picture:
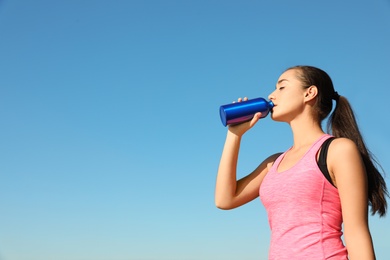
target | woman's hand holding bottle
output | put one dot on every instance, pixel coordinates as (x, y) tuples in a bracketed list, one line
[(240, 129)]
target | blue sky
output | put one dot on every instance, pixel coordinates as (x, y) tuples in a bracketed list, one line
[(110, 134)]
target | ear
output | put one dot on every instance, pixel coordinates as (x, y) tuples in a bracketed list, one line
[(311, 92)]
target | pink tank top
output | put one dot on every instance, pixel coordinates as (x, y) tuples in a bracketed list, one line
[(304, 211)]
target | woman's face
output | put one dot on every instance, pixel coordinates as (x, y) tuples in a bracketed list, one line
[(288, 97)]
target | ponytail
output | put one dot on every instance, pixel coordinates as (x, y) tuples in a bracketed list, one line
[(342, 123)]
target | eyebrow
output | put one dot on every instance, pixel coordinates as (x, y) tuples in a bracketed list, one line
[(280, 81)]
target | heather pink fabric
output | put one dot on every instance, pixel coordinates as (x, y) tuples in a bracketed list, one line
[(304, 211)]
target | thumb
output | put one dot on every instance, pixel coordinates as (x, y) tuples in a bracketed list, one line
[(255, 118)]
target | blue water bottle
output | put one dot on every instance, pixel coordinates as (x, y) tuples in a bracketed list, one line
[(236, 113)]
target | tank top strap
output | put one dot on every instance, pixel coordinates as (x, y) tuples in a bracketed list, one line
[(317, 144), (276, 163)]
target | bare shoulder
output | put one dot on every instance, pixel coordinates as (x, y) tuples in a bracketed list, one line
[(342, 148), (248, 186), (265, 165), (269, 161), (272, 158), (345, 162)]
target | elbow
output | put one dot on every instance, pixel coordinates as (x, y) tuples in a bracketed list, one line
[(220, 204)]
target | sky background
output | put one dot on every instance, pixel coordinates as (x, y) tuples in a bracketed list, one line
[(110, 136)]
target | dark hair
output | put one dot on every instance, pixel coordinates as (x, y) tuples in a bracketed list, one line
[(342, 123)]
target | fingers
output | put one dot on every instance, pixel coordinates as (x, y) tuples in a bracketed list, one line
[(242, 128), (241, 99)]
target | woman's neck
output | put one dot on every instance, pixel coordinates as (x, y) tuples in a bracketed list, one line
[(305, 132)]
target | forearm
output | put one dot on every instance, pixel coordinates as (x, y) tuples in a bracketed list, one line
[(226, 182)]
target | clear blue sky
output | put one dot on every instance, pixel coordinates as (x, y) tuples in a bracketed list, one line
[(110, 134)]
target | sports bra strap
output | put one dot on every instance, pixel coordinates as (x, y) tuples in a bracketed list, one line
[(322, 159)]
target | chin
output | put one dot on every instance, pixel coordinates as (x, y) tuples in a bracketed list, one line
[(277, 118)]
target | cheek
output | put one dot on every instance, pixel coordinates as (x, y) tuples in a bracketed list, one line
[(286, 111)]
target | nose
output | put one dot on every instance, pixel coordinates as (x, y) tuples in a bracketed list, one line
[(271, 96)]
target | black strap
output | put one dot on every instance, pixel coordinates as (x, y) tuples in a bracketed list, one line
[(322, 159)]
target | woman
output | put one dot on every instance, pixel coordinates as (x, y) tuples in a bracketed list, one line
[(318, 184)]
